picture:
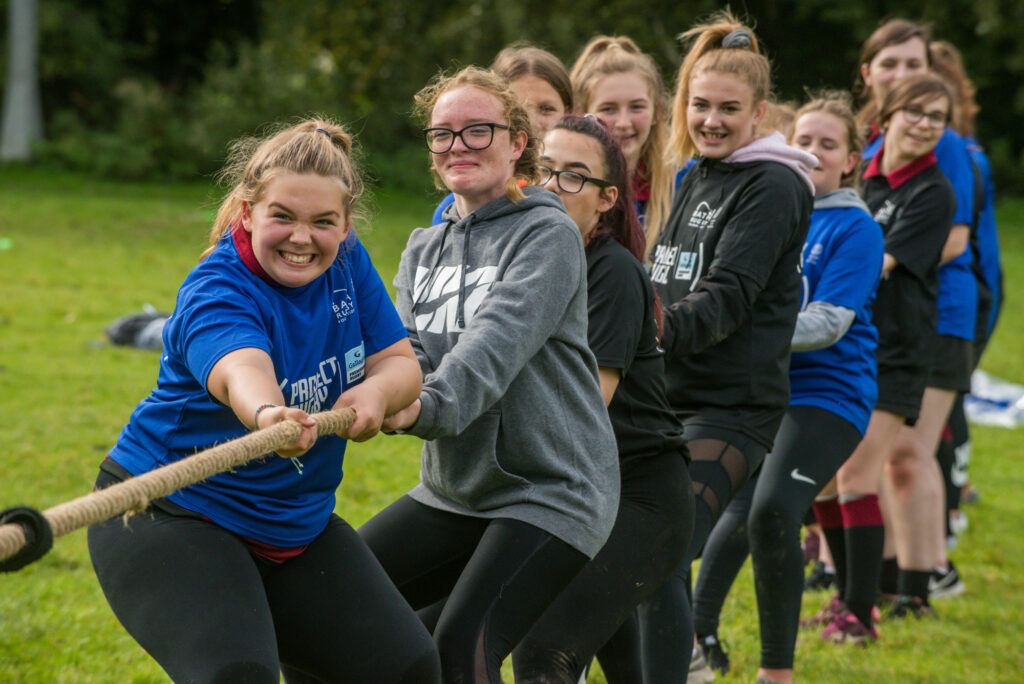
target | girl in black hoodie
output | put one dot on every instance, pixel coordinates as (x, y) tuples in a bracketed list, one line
[(727, 267)]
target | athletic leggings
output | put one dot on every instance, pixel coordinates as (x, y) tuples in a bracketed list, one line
[(722, 461), (765, 518), (499, 575), (208, 610), (650, 537)]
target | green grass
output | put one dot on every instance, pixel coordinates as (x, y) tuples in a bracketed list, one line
[(82, 252)]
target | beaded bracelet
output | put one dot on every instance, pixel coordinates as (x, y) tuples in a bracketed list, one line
[(256, 417)]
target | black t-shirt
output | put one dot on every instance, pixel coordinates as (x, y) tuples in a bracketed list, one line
[(623, 335), (916, 216), (727, 267)]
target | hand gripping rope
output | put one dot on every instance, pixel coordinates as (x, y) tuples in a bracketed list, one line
[(26, 534)]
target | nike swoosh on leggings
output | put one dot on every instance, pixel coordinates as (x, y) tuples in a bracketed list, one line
[(795, 474)]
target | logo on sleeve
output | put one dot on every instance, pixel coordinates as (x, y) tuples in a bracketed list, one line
[(704, 217), (355, 364)]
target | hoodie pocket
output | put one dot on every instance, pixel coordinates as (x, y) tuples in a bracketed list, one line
[(466, 470)]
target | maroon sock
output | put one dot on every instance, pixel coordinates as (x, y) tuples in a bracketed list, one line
[(865, 537)]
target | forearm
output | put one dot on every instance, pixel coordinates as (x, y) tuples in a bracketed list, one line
[(397, 379), (717, 308), (956, 243), (821, 325), (244, 380)]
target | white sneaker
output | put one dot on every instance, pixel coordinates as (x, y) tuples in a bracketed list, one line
[(700, 671)]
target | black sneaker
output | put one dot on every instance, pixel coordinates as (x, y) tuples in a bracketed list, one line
[(945, 584), (906, 606), (819, 578), (714, 652)]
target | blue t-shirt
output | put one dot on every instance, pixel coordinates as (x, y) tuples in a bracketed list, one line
[(318, 337), (842, 262), (987, 234), (958, 290)]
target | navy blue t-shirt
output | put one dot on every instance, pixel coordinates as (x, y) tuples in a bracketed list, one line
[(841, 263), (318, 337), (958, 289)]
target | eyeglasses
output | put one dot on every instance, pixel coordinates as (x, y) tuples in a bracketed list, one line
[(569, 181), (476, 137), (935, 119)]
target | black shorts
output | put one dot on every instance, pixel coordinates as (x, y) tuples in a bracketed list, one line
[(952, 361), (900, 391)]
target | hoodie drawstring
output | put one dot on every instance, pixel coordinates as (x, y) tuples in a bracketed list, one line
[(460, 311)]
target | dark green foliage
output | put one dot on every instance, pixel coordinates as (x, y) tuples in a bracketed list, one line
[(158, 88)]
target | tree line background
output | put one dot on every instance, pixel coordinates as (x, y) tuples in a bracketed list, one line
[(156, 89)]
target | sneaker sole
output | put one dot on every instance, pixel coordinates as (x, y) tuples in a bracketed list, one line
[(948, 592)]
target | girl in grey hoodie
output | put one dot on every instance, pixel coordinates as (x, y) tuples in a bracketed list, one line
[(519, 481)]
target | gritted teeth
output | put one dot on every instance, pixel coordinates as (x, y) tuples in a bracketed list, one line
[(297, 258)]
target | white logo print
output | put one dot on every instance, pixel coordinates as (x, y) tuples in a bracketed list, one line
[(664, 258), (444, 295), (309, 394), (801, 478), (704, 216), (885, 212), (815, 254), (341, 304)]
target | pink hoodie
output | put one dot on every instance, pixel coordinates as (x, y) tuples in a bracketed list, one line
[(773, 147)]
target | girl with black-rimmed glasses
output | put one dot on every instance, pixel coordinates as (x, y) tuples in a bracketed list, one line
[(585, 167), (519, 482)]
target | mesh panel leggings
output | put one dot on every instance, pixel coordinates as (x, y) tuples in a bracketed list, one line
[(810, 447), (207, 610), (498, 575), (650, 537), (722, 461)]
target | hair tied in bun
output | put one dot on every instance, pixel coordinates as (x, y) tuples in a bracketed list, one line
[(738, 39)]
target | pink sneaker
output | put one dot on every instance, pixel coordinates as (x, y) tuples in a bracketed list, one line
[(825, 616), (847, 628)]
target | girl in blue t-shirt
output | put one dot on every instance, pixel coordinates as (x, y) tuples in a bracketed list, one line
[(250, 573)]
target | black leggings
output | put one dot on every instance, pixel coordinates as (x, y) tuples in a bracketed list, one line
[(650, 537), (207, 610), (722, 461), (499, 575), (765, 518)]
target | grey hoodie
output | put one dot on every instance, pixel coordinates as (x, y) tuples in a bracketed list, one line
[(496, 306)]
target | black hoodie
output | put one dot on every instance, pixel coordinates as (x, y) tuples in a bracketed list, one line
[(727, 267)]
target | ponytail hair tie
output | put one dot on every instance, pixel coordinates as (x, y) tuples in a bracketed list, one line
[(325, 132), (739, 39)]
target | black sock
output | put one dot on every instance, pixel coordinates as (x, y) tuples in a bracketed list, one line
[(865, 537), (889, 582), (915, 583)]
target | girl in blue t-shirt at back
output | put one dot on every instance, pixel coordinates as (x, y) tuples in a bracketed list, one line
[(250, 573)]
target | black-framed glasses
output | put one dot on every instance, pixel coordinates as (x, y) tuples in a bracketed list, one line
[(478, 136), (569, 181), (935, 119)]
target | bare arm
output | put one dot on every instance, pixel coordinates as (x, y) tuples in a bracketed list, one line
[(245, 380), (956, 243), (609, 378)]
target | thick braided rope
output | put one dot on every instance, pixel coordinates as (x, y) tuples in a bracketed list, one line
[(134, 495)]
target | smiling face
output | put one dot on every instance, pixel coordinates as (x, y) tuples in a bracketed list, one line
[(542, 102), (570, 151), (297, 226), (623, 102), (475, 176), (906, 141), (721, 115), (825, 136), (892, 63)]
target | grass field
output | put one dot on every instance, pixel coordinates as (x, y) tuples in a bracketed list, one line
[(76, 253)]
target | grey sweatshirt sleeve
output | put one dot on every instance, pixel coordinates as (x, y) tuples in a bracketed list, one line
[(518, 316), (821, 325), (403, 283)]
